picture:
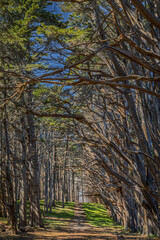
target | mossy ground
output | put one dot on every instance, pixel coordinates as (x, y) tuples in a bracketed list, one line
[(59, 224), (59, 215), (96, 215)]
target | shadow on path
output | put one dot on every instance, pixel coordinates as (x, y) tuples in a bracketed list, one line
[(77, 229)]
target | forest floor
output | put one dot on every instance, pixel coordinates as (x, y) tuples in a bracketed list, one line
[(80, 227)]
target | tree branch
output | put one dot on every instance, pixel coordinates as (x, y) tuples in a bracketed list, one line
[(146, 14), (57, 115)]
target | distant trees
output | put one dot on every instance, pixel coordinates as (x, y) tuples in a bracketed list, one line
[(37, 163)]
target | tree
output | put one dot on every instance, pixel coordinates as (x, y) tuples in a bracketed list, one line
[(122, 66), (108, 79), (19, 23)]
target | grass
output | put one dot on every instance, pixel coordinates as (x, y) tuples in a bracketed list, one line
[(3, 220), (59, 215), (97, 216), (57, 218), (153, 237)]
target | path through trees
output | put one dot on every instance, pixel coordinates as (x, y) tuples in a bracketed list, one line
[(77, 228), (80, 109)]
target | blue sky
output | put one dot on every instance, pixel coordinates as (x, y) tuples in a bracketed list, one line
[(55, 7)]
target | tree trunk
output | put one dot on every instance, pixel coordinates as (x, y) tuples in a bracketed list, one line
[(34, 192), (64, 177)]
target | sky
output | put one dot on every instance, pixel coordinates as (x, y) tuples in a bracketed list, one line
[(55, 7), (53, 63)]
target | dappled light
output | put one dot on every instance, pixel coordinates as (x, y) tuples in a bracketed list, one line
[(79, 119)]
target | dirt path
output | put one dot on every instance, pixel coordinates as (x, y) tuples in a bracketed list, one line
[(76, 229), (79, 221), (81, 230)]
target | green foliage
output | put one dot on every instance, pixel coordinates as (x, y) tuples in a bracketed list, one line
[(20, 20), (97, 216), (54, 100)]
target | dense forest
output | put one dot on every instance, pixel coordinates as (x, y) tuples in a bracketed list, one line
[(80, 109)]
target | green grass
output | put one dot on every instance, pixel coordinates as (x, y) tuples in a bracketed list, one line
[(153, 237), (59, 212), (60, 215), (3, 220), (97, 216)]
